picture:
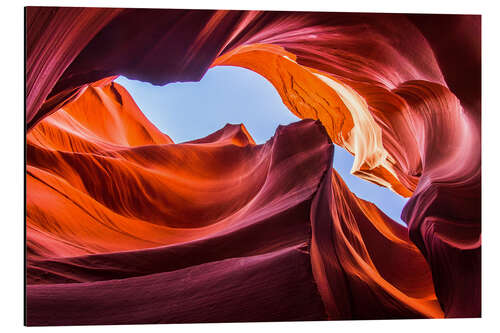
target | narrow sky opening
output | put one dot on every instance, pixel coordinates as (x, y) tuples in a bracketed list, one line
[(191, 110)]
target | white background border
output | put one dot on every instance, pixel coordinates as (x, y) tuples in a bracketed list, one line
[(12, 141)]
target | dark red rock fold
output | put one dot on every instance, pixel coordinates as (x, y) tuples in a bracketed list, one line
[(106, 189)]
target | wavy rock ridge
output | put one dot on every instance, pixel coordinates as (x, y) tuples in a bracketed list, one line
[(384, 87), (111, 217)]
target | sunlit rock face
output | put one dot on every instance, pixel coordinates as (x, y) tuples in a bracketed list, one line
[(118, 216), (112, 201)]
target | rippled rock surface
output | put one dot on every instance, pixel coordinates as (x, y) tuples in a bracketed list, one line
[(125, 226)]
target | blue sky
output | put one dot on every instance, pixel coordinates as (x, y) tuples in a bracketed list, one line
[(192, 110)]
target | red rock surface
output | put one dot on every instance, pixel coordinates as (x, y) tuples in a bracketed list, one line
[(115, 209), (115, 206)]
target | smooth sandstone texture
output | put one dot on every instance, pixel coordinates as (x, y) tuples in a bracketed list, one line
[(126, 227), (394, 90)]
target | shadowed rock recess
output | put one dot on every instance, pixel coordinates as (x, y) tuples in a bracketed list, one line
[(124, 226)]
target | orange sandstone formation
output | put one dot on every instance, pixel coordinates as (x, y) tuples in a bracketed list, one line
[(117, 205), (113, 204)]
